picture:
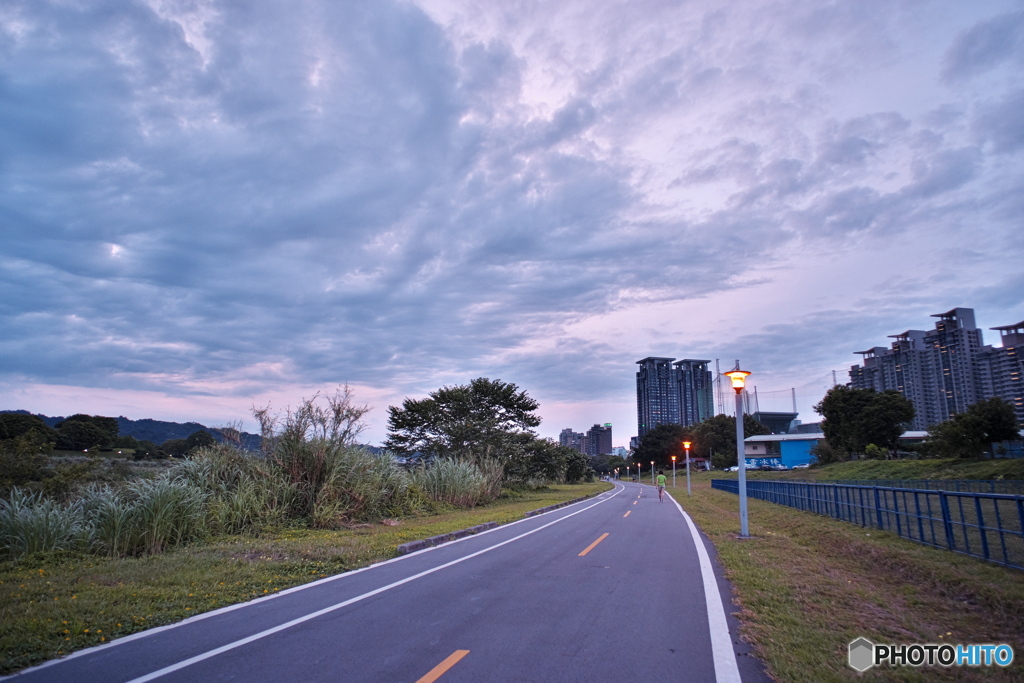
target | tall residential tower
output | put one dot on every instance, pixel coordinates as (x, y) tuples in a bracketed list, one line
[(670, 392), (945, 370)]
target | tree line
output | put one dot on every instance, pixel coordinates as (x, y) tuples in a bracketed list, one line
[(863, 422), (29, 433), (856, 423)]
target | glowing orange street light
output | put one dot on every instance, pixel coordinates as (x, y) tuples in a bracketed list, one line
[(739, 378), (686, 446), (673, 471)]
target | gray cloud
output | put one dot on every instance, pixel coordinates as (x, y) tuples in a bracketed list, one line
[(985, 46), (358, 191)]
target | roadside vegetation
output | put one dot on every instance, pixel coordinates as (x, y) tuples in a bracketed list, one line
[(807, 585)]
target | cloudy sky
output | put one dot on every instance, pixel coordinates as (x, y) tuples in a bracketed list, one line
[(206, 205)]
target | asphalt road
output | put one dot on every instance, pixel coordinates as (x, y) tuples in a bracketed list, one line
[(609, 589)]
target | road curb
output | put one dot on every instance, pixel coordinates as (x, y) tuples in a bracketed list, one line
[(413, 546), (549, 508)]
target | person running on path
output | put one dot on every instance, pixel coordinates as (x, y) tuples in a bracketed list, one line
[(661, 486)]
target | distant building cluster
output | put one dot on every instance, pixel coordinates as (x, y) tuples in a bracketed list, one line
[(595, 441), (672, 392), (944, 370)]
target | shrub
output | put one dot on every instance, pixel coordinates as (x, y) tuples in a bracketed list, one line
[(458, 482), (168, 512), (32, 523), (111, 520)]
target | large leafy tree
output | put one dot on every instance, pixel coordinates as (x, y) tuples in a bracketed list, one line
[(661, 443), (80, 431), (181, 447), (715, 438), (22, 432), (526, 458), (968, 434), (607, 464), (855, 418), (483, 419)]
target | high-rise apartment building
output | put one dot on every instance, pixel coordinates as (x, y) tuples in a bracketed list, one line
[(945, 370), (1002, 371), (572, 439), (657, 394), (696, 395), (670, 392), (599, 439)]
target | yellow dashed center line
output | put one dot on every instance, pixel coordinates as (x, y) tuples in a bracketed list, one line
[(627, 514), (591, 546), (634, 502), (439, 670)]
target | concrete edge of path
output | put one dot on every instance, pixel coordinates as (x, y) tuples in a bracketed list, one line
[(549, 508), (413, 546), (733, 656)]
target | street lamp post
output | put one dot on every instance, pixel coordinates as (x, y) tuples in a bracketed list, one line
[(686, 445), (652, 473), (738, 378), (673, 471)]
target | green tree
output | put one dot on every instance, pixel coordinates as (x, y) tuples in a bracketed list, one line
[(661, 443), (25, 433), (106, 425), (606, 464), (480, 420), (78, 435), (577, 467), (854, 418), (715, 438), (183, 447), (968, 434), (199, 439)]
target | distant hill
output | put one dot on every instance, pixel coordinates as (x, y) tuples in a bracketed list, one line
[(157, 431)]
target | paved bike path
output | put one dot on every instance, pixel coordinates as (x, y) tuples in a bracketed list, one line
[(520, 599)]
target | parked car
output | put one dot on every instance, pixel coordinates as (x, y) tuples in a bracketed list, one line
[(801, 467)]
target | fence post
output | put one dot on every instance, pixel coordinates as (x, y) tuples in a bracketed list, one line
[(981, 526), (920, 522), (878, 508), (896, 511), (947, 521)]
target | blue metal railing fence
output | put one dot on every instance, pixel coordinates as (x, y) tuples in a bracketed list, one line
[(1010, 486), (985, 525)]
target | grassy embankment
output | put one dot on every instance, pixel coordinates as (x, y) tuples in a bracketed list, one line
[(52, 604), (999, 468), (807, 585)]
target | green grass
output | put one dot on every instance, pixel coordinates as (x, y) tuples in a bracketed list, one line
[(998, 468), (807, 585), (54, 603)]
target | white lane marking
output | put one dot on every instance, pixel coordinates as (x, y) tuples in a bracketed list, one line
[(294, 622), (726, 669), (294, 589)]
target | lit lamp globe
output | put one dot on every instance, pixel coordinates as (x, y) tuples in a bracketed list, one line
[(739, 378)]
